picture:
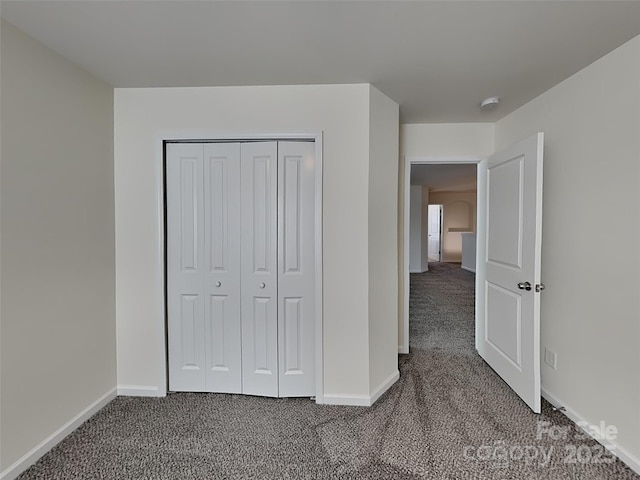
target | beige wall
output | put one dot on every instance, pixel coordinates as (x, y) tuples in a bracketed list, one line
[(459, 211), (383, 241), (435, 140), (590, 311), (342, 113), (58, 267)]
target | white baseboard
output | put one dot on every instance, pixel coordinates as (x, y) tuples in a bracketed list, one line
[(418, 271), (402, 349), (56, 437), (347, 400), (362, 400), (384, 386), (617, 450), (140, 391), (468, 269)]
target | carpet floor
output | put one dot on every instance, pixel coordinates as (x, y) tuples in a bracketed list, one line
[(448, 417)]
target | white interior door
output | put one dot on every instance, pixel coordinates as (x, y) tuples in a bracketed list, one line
[(296, 269), (259, 268), (508, 327), (203, 265), (434, 212)]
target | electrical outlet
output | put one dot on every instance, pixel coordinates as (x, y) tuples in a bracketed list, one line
[(550, 358)]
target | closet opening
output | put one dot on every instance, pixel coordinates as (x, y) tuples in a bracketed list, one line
[(242, 258)]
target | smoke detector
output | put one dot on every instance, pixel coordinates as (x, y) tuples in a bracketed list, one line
[(489, 103)]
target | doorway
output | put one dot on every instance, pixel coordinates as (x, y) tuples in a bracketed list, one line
[(465, 173), (508, 263)]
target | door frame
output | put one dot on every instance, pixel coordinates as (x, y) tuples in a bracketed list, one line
[(409, 161), (203, 137)]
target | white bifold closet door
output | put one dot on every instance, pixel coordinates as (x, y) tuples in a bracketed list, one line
[(241, 267), (296, 269), (259, 277), (203, 275)]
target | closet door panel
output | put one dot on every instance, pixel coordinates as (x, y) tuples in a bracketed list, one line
[(259, 269), (222, 267), (185, 267), (296, 268)]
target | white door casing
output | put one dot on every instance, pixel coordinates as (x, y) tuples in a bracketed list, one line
[(508, 303), (259, 268), (296, 268)]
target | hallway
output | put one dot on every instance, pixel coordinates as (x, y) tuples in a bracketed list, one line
[(476, 426), (441, 309)]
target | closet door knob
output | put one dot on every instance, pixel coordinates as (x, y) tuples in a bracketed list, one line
[(262, 285), (218, 284)]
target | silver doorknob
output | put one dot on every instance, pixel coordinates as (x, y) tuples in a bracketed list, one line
[(524, 286), (218, 284), (262, 285)]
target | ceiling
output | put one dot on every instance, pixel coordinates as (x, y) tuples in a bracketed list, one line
[(444, 178), (437, 59)]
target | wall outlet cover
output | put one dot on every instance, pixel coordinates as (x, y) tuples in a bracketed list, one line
[(550, 358)]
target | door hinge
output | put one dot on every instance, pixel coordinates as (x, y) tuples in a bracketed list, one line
[(540, 287)]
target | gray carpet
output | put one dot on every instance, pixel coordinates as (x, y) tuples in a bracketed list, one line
[(448, 417)]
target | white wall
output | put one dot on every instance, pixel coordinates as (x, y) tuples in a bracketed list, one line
[(416, 230), (383, 241), (424, 230), (58, 267), (469, 252), (435, 140), (342, 113), (446, 139), (459, 211), (590, 311)]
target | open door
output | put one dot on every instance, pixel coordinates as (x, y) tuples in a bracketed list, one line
[(434, 247), (508, 284)]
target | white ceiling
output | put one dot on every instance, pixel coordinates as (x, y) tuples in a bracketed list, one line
[(437, 59), (441, 178)]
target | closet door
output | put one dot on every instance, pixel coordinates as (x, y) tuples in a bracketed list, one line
[(221, 283), (259, 269), (296, 268), (241, 267), (185, 252), (203, 267)]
